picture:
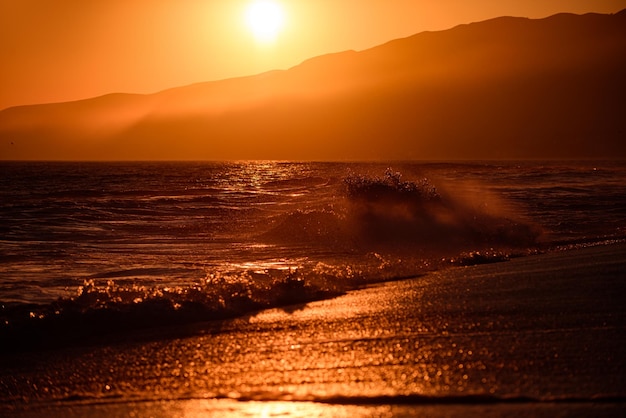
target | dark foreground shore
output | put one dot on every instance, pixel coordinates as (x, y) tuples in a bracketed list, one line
[(535, 336)]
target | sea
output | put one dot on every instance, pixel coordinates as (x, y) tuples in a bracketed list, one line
[(96, 247)]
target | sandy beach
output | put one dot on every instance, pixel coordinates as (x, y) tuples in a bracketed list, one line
[(536, 336)]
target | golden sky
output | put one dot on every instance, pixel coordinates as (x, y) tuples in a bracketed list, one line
[(59, 50)]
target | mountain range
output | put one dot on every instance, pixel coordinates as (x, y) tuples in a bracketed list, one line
[(505, 88)]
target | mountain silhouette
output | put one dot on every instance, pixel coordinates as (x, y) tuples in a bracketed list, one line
[(503, 88)]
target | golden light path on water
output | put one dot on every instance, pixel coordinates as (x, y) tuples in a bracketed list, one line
[(226, 408)]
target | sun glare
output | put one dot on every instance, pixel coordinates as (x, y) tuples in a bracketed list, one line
[(265, 19)]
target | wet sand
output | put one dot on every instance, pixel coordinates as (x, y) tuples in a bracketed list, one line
[(539, 335)]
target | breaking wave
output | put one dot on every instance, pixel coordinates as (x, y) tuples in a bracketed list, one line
[(105, 307), (390, 213)]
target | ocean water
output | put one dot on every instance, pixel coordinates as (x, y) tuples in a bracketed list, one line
[(135, 245)]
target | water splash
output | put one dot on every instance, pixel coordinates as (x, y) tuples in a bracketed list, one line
[(391, 214)]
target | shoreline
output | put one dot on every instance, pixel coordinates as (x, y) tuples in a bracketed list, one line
[(542, 328)]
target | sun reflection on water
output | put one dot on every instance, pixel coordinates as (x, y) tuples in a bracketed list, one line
[(235, 408)]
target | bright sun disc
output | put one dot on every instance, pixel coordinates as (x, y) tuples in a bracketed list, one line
[(265, 19)]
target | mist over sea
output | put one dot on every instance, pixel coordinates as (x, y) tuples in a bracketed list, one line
[(200, 240)]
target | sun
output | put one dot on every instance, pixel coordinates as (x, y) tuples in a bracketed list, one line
[(265, 19)]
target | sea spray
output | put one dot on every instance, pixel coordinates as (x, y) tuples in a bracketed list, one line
[(391, 214)]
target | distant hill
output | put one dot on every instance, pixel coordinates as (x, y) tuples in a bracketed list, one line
[(503, 88)]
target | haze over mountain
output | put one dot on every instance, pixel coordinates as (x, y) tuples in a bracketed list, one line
[(503, 88)]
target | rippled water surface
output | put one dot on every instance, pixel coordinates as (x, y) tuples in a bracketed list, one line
[(226, 237)]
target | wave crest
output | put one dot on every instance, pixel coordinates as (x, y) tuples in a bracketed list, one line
[(390, 187)]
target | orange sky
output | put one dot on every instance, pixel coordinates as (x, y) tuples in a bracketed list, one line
[(66, 50)]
